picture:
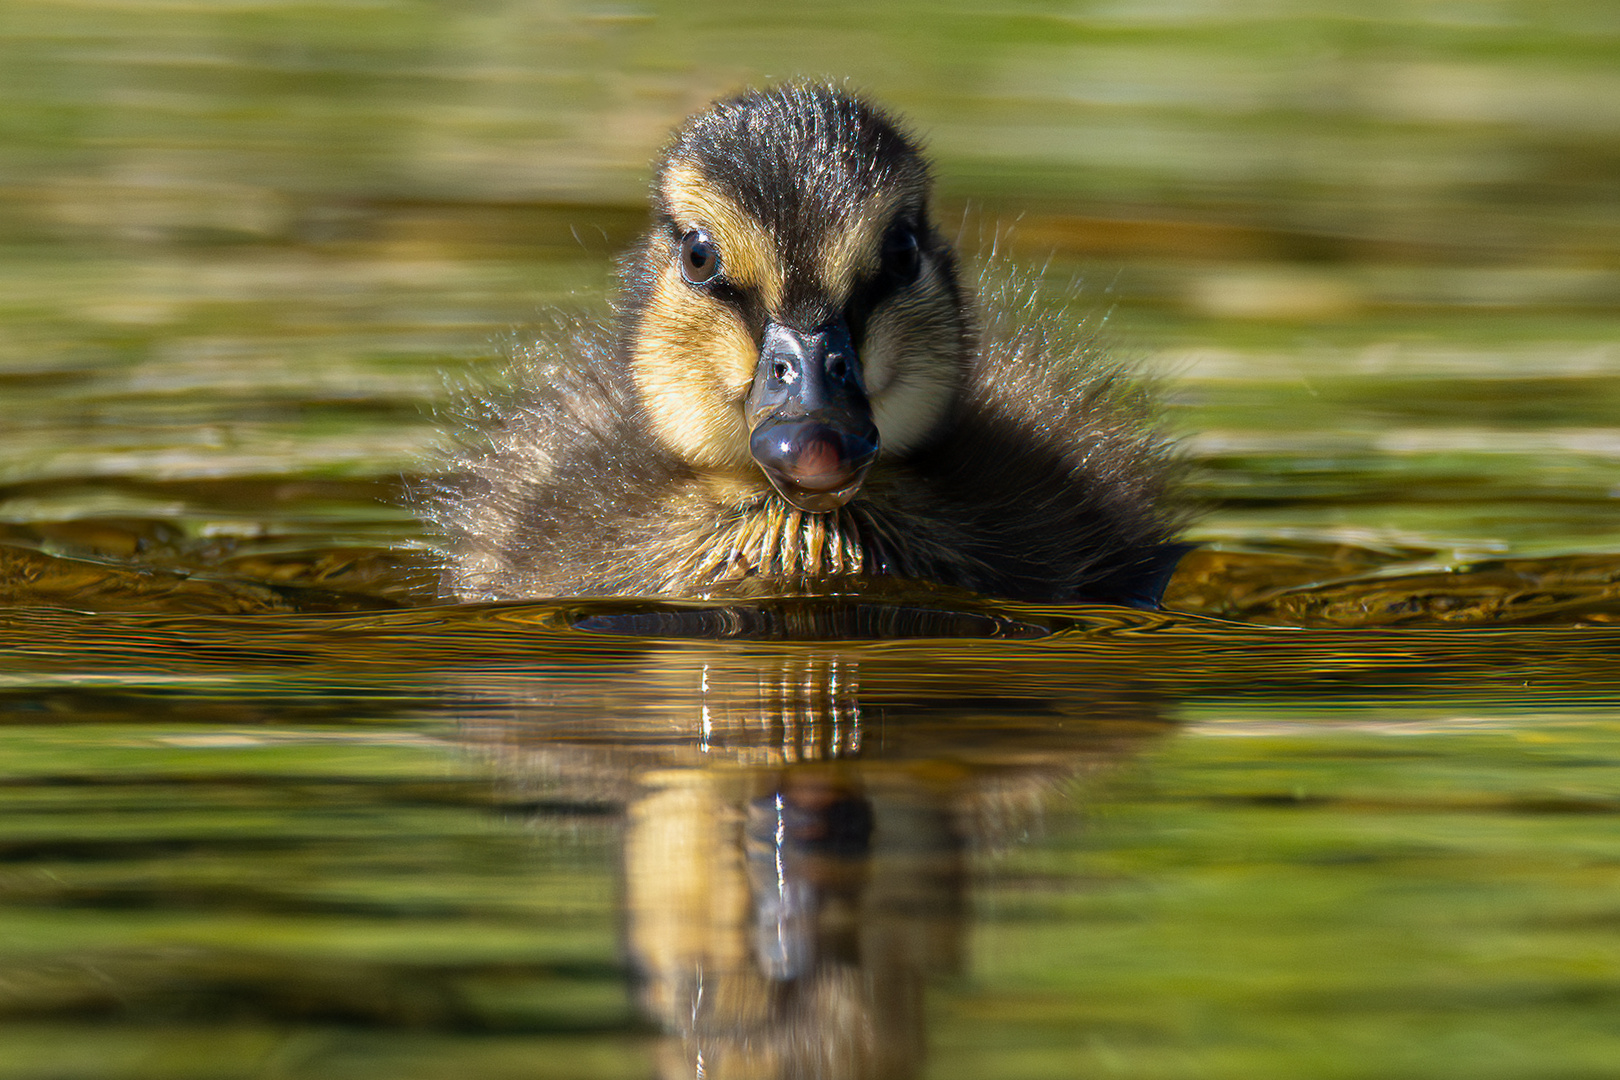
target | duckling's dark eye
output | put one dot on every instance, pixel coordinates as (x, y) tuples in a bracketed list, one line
[(902, 255), (700, 258)]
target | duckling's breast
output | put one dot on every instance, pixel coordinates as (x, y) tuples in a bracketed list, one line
[(770, 544)]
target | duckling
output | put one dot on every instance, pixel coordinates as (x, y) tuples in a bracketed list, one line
[(797, 397)]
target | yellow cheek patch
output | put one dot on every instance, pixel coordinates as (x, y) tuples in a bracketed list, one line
[(748, 255), (693, 362)]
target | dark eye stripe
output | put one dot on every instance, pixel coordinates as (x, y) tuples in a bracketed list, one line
[(733, 297)]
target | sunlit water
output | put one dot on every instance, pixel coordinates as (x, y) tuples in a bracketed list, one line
[(1347, 809)]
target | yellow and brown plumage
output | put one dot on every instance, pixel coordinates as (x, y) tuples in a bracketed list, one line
[(798, 398)]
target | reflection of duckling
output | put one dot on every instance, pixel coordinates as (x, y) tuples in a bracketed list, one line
[(803, 829), (798, 400)]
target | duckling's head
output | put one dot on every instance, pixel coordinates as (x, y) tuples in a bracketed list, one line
[(793, 313)]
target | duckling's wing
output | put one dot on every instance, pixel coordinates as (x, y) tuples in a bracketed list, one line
[(1055, 465)]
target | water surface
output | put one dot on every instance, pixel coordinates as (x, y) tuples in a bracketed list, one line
[(442, 840)]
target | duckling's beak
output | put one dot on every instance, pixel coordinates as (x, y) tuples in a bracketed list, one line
[(813, 430)]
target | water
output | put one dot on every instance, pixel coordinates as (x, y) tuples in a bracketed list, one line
[(440, 841), (1347, 810)]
